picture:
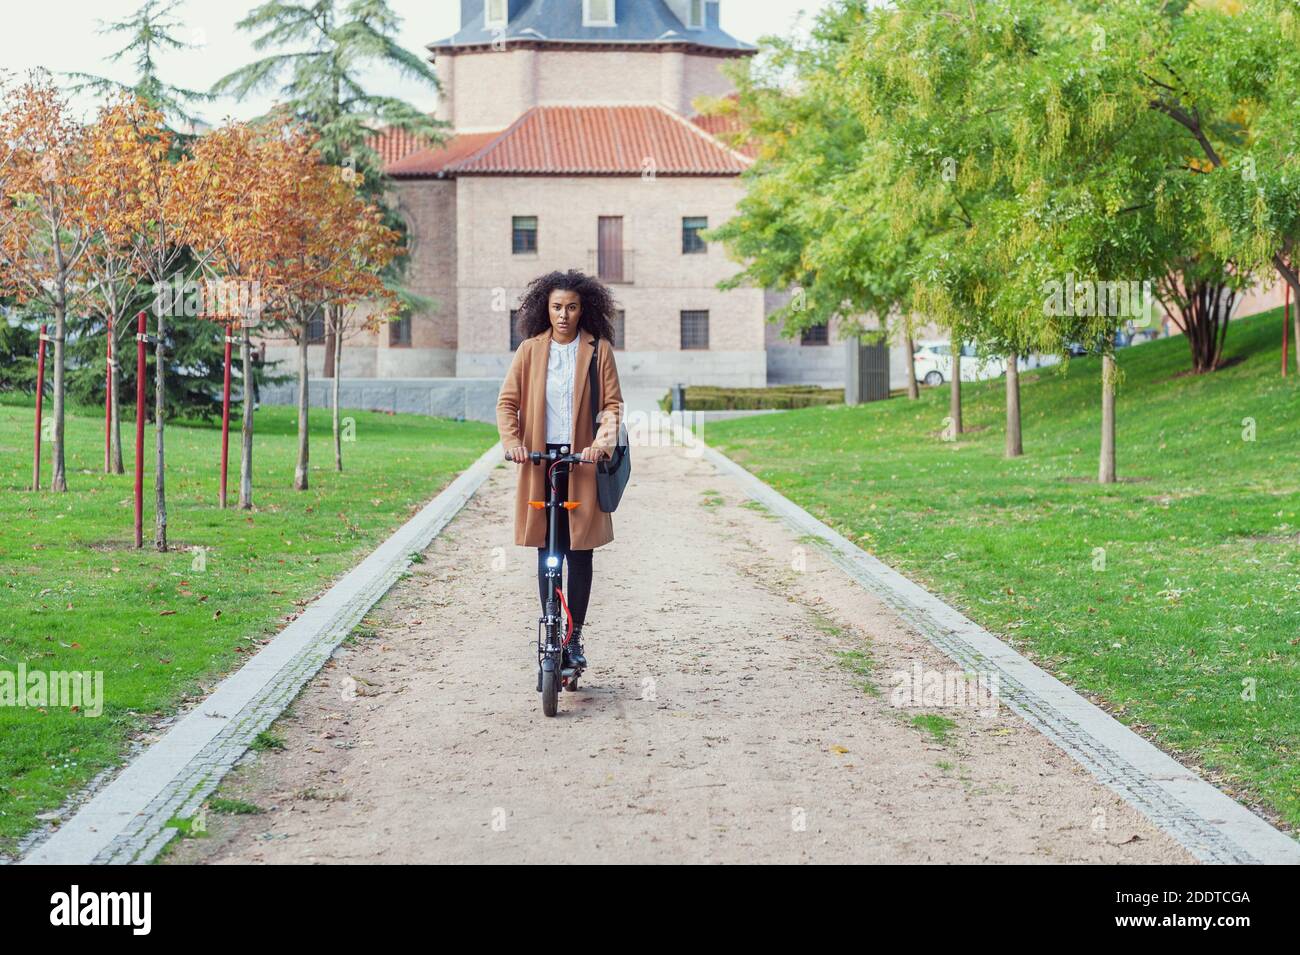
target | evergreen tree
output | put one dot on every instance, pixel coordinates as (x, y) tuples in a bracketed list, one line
[(324, 45), (151, 29), (319, 77)]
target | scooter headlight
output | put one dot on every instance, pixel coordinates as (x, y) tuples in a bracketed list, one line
[(552, 562)]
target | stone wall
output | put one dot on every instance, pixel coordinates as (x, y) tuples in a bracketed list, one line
[(473, 399)]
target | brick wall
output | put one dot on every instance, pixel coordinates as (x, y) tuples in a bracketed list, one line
[(664, 281), (490, 90), (429, 207)]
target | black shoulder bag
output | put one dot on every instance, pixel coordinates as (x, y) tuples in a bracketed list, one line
[(611, 474)]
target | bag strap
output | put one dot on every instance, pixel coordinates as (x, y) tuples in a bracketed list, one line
[(594, 387)]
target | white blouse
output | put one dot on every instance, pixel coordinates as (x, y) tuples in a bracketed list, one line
[(561, 361)]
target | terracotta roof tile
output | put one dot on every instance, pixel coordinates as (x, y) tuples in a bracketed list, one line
[(433, 161), (573, 141), (602, 140), (394, 144)]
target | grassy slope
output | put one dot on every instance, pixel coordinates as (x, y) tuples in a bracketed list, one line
[(1200, 589), (74, 595)]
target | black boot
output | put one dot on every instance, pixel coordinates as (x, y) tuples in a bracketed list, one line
[(573, 651)]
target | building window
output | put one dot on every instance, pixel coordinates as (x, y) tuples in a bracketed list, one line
[(695, 330), (609, 248), (692, 226), (399, 332), (598, 13), (619, 323), (815, 335), (524, 241), (695, 14), (496, 14), (516, 336), (316, 328)]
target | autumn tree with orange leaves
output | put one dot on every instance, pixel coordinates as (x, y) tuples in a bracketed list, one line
[(333, 245), (113, 268), (363, 302), (246, 170), (45, 233), (151, 205)]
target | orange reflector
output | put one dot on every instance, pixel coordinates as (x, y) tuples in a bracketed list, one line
[(570, 505), (537, 505)]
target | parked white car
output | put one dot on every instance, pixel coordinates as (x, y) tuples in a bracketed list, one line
[(933, 363)]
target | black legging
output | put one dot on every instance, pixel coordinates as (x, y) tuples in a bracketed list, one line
[(578, 593)]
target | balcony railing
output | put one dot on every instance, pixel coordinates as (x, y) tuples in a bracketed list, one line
[(613, 265)]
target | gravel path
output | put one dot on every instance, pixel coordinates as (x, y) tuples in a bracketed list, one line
[(724, 718)]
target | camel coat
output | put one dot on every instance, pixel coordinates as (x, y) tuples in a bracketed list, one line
[(521, 420)]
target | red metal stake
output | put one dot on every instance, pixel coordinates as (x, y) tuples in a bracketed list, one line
[(40, 397), (108, 399), (139, 430), (1286, 323), (225, 420)]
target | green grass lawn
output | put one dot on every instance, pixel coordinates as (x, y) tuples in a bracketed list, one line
[(164, 627), (1165, 597)]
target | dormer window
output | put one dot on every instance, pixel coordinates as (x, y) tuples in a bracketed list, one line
[(695, 14), (598, 13), (496, 16)]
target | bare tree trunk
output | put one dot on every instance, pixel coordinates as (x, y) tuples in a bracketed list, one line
[(304, 449), (159, 400), (1295, 321), (115, 415), (331, 344), (954, 389), (334, 389), (59, 479), (1014, 446), (246, 432), (913, 389), (1225, 301), (1106, 467), (1205, 309), (1202, 311)]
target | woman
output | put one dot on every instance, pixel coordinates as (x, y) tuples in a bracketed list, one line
[(545, 403)]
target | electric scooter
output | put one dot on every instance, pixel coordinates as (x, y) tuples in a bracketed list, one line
[(554, 630)]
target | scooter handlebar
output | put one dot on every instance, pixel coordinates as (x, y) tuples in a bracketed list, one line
[(537, 457)]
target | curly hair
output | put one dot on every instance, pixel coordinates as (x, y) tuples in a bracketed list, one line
[(597, 304)]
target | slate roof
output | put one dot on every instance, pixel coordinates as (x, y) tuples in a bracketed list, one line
[(560, 21)]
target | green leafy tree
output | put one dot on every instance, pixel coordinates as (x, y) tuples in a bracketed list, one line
[(932, 83), (1112, 187), (1235, 115), (18, 346), (810, 221)]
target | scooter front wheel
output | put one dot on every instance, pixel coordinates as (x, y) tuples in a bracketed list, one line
[(550, 692)]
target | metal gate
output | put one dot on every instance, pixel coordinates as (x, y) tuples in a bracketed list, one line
[(866, 375)]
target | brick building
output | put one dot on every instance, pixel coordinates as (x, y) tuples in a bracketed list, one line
[(575, 144)]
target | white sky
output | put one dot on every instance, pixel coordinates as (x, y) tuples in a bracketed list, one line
[(61, 36)]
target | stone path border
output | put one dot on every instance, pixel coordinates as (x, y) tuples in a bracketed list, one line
[(126, 821), (1211, 825)]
